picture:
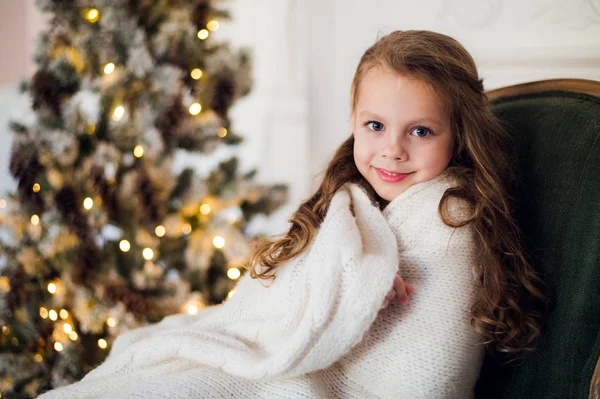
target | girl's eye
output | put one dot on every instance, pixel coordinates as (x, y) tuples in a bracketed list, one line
[(421, 131), (376, 126)]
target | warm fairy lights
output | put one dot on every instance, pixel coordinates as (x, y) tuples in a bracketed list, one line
[(52, 288), (38, 358), (109, 68), (231, 293), (195, 109), (148, 253), (203, 34), (186, 228), (222, 132), (219, 242), (43, 313), (73, 336), (53, 315), (88, 203), (138, 151), (58, 346), (233, 273), (92, 15), (111, 322), (36, 188), (63, 314), (118, 113), (160, 231), (102, 343), (212, 25), (205, 209), (192, 309), (124, 245), (67, 328), (35, 220), (196, 73)]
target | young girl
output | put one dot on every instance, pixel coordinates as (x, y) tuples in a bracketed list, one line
[(414, 203)]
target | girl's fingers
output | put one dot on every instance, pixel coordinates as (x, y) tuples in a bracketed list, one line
[(401, 294), (409, 288)]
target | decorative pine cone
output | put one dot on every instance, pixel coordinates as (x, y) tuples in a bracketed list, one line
[(45, 92), (146, 194), (25, 168), (106, 190), (168, 122), (223, 94), (88, 255)]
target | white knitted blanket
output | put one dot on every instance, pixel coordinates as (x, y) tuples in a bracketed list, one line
[(317, 330)]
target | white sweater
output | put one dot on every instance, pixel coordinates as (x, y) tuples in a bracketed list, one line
[(316, 331)]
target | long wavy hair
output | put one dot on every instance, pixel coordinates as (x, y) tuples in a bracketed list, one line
[(507, 308)]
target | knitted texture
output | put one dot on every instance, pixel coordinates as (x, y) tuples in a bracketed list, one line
[(317, 331)]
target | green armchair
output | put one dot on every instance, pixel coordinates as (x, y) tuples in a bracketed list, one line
[(555, 129)]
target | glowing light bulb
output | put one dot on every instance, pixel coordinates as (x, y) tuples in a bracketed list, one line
[(88, 203), (203, 34), (118, 113), (138, 151), (196, 73), (186, 228), (222, 132), (92, 15), (160, 231), (63, 314), (38, 358), (231, 293), (109, 68), (219, 242), (35, 220), (124, 245), (111, 322), (205, 209), (67, 328), (102, 343), (212, 25), (234, 273), (58, 346), (43, 313), (148, 253), (192, 309), (195, 109), (53, 315), (73, 336), (52, 288), (36, 188)]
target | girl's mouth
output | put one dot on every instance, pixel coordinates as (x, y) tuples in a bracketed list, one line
[(391, 177)]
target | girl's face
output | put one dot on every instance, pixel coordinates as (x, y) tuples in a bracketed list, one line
[(401, 132)]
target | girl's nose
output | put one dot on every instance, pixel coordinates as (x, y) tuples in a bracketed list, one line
[(394, 151)]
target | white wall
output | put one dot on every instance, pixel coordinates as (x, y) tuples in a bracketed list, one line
[(305, 53)]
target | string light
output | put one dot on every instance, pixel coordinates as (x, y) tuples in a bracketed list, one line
[(203, 34), (36, 188), (124, 245), (109, 68), (234, 273), (67, 328), (53, 315), (102, 343), (192, 309), (73, 336), (63, 314), (35, 220), (195, 109), (58, 346), (92, 15), (5, 330), (186, 228), (205, 209), (213, 25), (196, 73), (52, 288), (38, 358), (43, 313), (160, 231), (14, 341), (2, 203), (88, 203), (90, 129), (111, 322), (138, 151), (231, 293), (219, 242), (148, 253), (118, 113), (222, 132)]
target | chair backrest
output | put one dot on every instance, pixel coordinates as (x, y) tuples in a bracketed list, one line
[(555, 127)]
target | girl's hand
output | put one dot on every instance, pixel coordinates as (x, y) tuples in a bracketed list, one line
[(400, 290)]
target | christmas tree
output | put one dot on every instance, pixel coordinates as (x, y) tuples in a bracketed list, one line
[(101, 235)]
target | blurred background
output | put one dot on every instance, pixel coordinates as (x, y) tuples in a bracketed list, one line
[(141, 153)]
